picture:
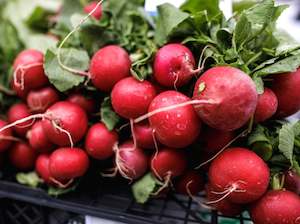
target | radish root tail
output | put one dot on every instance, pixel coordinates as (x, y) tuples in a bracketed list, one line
[(22, 69), (133, 133), (75, 71), (56, 126), (187, 187), (154, 112), (60, 184)]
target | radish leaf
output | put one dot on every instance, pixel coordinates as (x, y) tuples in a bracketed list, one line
[(108, 116)]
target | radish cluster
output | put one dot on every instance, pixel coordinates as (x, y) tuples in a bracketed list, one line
[(164, 121)]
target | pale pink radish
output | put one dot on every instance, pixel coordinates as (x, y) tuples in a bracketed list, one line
[(234, 95)]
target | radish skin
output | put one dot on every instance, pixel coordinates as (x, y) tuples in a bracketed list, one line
[(276, 207), (90, 7), (240, 174), (178, 127), (99, 141), (22, 156), (234, 94), (109, 65), (5, 143)]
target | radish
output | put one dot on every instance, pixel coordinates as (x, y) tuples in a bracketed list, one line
[(266, 106), (69, 117), (68, 163), (225, 206), (214, 140), (99, 141), (292, 181), (22, 93), (276, 207), (144, 135), (39, 100), (168, 163), (28, 70), (177, 127), (131, 162), (191, 183), (22, 156), (286, 88), (174, 65), (38, 139), (5, 137), (63, 123), (234, 94), (17, 112), (131, 98), (87, 104), (93, 6), (42, 168), (109, 65), (239, 175)]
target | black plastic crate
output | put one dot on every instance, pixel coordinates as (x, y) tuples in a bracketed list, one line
[(23, 205)]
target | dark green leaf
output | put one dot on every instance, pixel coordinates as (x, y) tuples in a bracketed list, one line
[(286, 141), (30, 179), (286, 43), (108, 116), (258, 135), (242, 32), (296, 165), (194, 6), (169, 18), (289, 64), (143, 188), (39, 18), (64, 80), (263, 149)]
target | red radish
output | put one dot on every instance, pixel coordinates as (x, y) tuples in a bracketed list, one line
[(276, 207), (99, 141), (286, 88), (144, 135), (88, 104), (22, 156), (5, 137), (64, 123), (109, 65), (225, 206), (292, 181), (131, 98), (38, 140), (214, 140), (239, 175), (90, 7), (178, 127), (68, 163), (234, 94), (131, 162), (17, 112), (168, 163), (42, 168), (39, 100), (28, 69), (266, 106), (174, 65), (191, 183), (68, 116), (22, 93)]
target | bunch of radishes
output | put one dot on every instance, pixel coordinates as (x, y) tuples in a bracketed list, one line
[(57, 135)]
